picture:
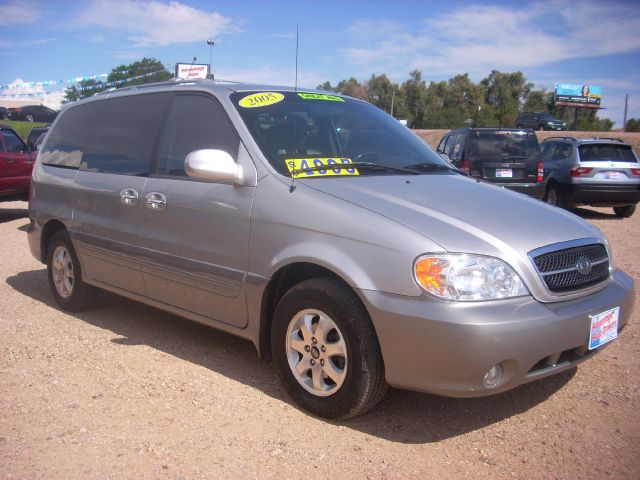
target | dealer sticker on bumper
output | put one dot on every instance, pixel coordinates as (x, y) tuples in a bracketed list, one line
[(604, 327)]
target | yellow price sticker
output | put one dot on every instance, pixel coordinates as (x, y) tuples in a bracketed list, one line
[(261, 99), (319, 167)]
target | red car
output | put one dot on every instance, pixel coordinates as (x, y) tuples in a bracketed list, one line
[(16, 163)]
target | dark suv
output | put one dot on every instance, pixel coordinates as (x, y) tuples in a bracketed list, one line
[(601, 172), (507, 157), (539, 121)]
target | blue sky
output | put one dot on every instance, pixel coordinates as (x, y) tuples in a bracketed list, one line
[(592, 42)]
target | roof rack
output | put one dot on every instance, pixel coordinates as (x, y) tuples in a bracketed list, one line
[(561, 137), (607, 138)]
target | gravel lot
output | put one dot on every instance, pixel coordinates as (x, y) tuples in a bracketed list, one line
[(127, 391)]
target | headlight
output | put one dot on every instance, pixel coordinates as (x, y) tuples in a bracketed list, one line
[(467, 278)]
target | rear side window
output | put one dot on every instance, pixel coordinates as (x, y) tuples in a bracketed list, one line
[(597, 152), (500, 145), (64, 145), (194, 122), (457, 147), (124, 134)]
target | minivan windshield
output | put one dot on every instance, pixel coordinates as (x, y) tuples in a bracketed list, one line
[(502, 144), (309, 129)]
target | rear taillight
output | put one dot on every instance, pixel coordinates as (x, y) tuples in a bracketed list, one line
[(464, 165), (635, 171), (580, 171), (540, 171)]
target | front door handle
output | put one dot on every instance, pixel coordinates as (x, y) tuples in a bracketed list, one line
[(128, 197), (155, 201)]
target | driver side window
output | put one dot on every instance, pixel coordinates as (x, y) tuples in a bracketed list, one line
[(194, 122)]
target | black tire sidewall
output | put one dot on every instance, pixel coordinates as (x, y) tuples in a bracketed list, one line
[(349, 318)]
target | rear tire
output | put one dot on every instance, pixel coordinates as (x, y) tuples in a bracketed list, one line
[(65, 275), (553, 196), (624, 212), (326, 351), (29, 118)]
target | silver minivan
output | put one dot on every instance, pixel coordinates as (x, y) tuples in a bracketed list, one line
[(325, 232)]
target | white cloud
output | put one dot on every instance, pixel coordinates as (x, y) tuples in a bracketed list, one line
[(154, 24), (479, 38), (17, 12), (269, 75)]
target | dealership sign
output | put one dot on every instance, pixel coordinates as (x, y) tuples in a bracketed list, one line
[(569, 95), (191, 70)]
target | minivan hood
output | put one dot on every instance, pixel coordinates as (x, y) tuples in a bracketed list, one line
[(461, 214)]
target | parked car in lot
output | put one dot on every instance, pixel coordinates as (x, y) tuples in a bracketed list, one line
[(325, 232), (4, 113), (35, 137), (601, 172), (16, 163), (33, 113), (539, 121), (503, 156)]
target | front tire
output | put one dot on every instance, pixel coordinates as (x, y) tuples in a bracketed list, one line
[(29, 118), (326, 351), (65, 275), (624, 212)]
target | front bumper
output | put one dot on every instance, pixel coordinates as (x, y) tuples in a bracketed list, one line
[(447, 347)]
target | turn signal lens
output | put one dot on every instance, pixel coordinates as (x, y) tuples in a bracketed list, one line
[(428, 273)]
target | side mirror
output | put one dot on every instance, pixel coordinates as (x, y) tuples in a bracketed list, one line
[(213, 165)]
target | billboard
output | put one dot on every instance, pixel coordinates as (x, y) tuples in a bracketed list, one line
[(586, 96), (192, 70)]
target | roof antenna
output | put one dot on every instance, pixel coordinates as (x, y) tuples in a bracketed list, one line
[(296, 88)]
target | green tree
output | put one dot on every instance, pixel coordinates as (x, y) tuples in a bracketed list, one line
[(147, 70), (84, 88), (381, 92), (633, 125), (538, 101), (414, 95), (504, 94), (352, 87), (326, 86)]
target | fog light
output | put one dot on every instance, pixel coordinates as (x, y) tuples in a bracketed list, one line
[(493, 376)]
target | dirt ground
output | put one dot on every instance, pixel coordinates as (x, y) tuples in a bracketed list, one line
[(127, 391)]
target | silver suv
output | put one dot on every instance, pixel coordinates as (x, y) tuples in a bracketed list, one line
[(601, 172), (326, 233)]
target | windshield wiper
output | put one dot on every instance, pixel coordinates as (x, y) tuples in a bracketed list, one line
[(361, 165), (432, 167)]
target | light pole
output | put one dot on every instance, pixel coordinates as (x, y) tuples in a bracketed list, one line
[(210, 43)]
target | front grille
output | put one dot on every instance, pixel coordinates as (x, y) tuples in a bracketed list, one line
[(559, 269)]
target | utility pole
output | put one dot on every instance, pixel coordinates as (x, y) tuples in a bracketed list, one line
[(210, 43), (393, 96), (626, 104)]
